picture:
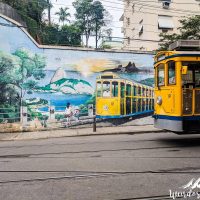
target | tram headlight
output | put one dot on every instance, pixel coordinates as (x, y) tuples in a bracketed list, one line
[(159, 100)]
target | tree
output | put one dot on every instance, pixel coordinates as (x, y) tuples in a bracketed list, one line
[(91, 17), (69, 35), (63, 15), (190, 29), (84, 17), (98, 19)]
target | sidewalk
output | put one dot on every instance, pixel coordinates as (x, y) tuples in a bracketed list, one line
[(70, 132)]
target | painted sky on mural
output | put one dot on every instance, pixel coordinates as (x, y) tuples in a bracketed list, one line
[(83, 61)]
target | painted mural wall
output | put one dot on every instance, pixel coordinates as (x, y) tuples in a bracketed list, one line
[(55, 76)]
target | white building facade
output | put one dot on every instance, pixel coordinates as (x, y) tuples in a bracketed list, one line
[(143, 21)]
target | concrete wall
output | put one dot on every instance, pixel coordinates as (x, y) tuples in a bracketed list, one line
[(11, 13)]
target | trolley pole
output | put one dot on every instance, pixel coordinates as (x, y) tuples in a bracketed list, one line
[(94, 120)]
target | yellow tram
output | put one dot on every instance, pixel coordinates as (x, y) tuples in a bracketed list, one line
[(177, 87), (118, 98)]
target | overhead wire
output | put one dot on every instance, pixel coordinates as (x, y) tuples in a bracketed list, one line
[(105, 36)]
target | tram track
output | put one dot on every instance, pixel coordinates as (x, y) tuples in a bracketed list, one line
[(83, 175), (81, 152), (161, 197)]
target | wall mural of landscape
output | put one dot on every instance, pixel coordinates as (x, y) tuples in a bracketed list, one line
[(55, 76)]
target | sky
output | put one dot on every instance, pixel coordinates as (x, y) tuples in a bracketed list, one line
[(108, 4)]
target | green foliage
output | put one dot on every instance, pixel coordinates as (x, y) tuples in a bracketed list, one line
[(90, 17), (31, 12), (63, 15), (106, 46), (190, 29), (32, 66), (66, 35), (50, 34), (33, 114), (59, 116)]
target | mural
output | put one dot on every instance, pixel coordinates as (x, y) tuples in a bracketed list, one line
[(48, 76)]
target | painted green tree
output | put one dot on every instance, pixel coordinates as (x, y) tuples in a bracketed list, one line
[(19, 74)]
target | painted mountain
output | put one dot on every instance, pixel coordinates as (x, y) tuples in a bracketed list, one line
[(60, 84), (68, 86), (130, 68)]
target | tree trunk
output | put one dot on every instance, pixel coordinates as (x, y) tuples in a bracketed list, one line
[(49, 12), (96, 31)]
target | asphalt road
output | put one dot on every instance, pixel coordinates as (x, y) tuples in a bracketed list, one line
[(142, 166)]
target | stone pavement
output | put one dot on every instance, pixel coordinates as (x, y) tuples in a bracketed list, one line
[(69, 132)]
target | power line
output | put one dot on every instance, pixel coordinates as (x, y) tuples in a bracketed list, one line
[(137, 2), (102, 36)]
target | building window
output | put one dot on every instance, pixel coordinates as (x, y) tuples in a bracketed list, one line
[(133, 8), (140, 30), (128, 21), (141, 21), (128, 2), (165, 22), (129, 40)]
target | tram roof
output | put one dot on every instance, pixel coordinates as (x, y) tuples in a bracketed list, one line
[(163, 55), (107, 76)]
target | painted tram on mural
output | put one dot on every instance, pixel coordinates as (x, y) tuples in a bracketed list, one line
[(177, 88), (117, 97)]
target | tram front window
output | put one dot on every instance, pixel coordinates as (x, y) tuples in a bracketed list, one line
[(171, 73), (193, 74), (161, 75), (106, 89)]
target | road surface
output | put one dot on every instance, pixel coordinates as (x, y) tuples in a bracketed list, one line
[(141, 166)]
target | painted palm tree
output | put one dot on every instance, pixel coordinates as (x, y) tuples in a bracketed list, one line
[(63, 15)]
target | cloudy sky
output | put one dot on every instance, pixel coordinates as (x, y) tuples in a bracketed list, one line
[(114, 7)]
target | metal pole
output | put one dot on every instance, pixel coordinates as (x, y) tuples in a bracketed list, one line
[(94, 120)]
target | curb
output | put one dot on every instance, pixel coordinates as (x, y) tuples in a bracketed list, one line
[(78, 134)]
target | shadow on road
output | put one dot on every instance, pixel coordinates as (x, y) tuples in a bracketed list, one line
[(183, 142)]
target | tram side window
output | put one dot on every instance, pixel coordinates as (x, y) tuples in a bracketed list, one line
[(122, 89), (139, 91), (106, 89), (134, 91), (197, 77), (115, 89), (161, 75), (171, 73), (128, 90), (98, 89)]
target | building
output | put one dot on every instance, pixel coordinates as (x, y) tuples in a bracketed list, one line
[(143, 21)]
